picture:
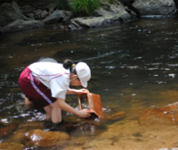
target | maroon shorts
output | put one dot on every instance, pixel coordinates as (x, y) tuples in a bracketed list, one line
[(34, 90)]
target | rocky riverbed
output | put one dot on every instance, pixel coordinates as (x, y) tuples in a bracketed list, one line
[(123, 134), (18, 15)]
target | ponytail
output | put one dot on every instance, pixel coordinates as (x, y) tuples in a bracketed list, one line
[(69, 64)]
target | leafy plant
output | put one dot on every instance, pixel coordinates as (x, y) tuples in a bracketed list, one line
[(85, 7)]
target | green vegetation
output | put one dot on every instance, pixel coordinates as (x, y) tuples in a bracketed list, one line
[(85, 7), (82, 7)]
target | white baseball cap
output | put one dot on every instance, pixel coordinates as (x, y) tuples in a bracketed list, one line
[(84, 73)]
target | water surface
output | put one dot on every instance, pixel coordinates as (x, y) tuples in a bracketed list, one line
[(134, 67)]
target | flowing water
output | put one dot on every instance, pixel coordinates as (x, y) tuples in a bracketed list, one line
[(134, 67)]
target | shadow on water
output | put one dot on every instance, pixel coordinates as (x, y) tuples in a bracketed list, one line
[(134, 68)]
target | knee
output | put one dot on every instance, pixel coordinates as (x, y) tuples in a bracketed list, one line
[(27, 101), (47, 109), (53, 105)]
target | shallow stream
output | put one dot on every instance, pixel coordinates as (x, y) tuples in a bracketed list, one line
[(134, 68)]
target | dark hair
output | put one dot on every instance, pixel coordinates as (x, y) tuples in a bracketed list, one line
[(69, 64)]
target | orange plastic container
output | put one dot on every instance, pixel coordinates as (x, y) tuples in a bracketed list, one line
[(91, 102)]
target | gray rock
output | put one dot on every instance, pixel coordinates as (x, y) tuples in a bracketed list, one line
[(58, 16), (107, 15), (92, 21), (88, 22), (68, 16), (27, 9), (37, 13), (155, 7), (9, 13), (44, 14), (40, 14), (112, 9), (31, 15), (51, 7), (20, 25), (74, 26), (54, 17)]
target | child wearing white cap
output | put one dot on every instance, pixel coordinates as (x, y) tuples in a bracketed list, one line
[(46, 84)]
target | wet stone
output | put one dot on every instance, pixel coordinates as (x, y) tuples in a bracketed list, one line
[(137, 134), (7, 129), (167, 115), (41, 138), (116, 116), (11, 146), (79, 140), (73, 147), (18, 135), (32, 125)]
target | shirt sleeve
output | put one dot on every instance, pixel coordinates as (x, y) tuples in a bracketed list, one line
[(59, 87)]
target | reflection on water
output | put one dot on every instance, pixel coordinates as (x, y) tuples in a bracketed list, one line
[(134, 68)]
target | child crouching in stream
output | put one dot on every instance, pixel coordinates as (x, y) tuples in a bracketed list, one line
[(46, 83)]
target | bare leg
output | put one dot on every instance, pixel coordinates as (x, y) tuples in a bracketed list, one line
[(56, 116), (48, 113), (27, 101)]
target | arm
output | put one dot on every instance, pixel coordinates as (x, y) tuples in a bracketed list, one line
[(75, 91), (64, 106)]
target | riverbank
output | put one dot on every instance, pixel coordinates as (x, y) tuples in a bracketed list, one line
[(18, 16)]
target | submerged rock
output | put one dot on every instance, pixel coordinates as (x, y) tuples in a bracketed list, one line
[(42, 138), (18, 135), (11, 146), (166, 116), (116, 116), (7, 129)]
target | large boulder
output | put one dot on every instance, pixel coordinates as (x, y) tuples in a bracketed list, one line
[(41, 138), (58, 16), (107, 14), (155, 7), (167, 115), (18, 135), (112, 10), (19, 25), (9, 13), (91, 22)]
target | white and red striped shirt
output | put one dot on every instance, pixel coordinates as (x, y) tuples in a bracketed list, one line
[(53, 75)]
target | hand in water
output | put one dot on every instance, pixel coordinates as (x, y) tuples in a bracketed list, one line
[(85, 113)]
